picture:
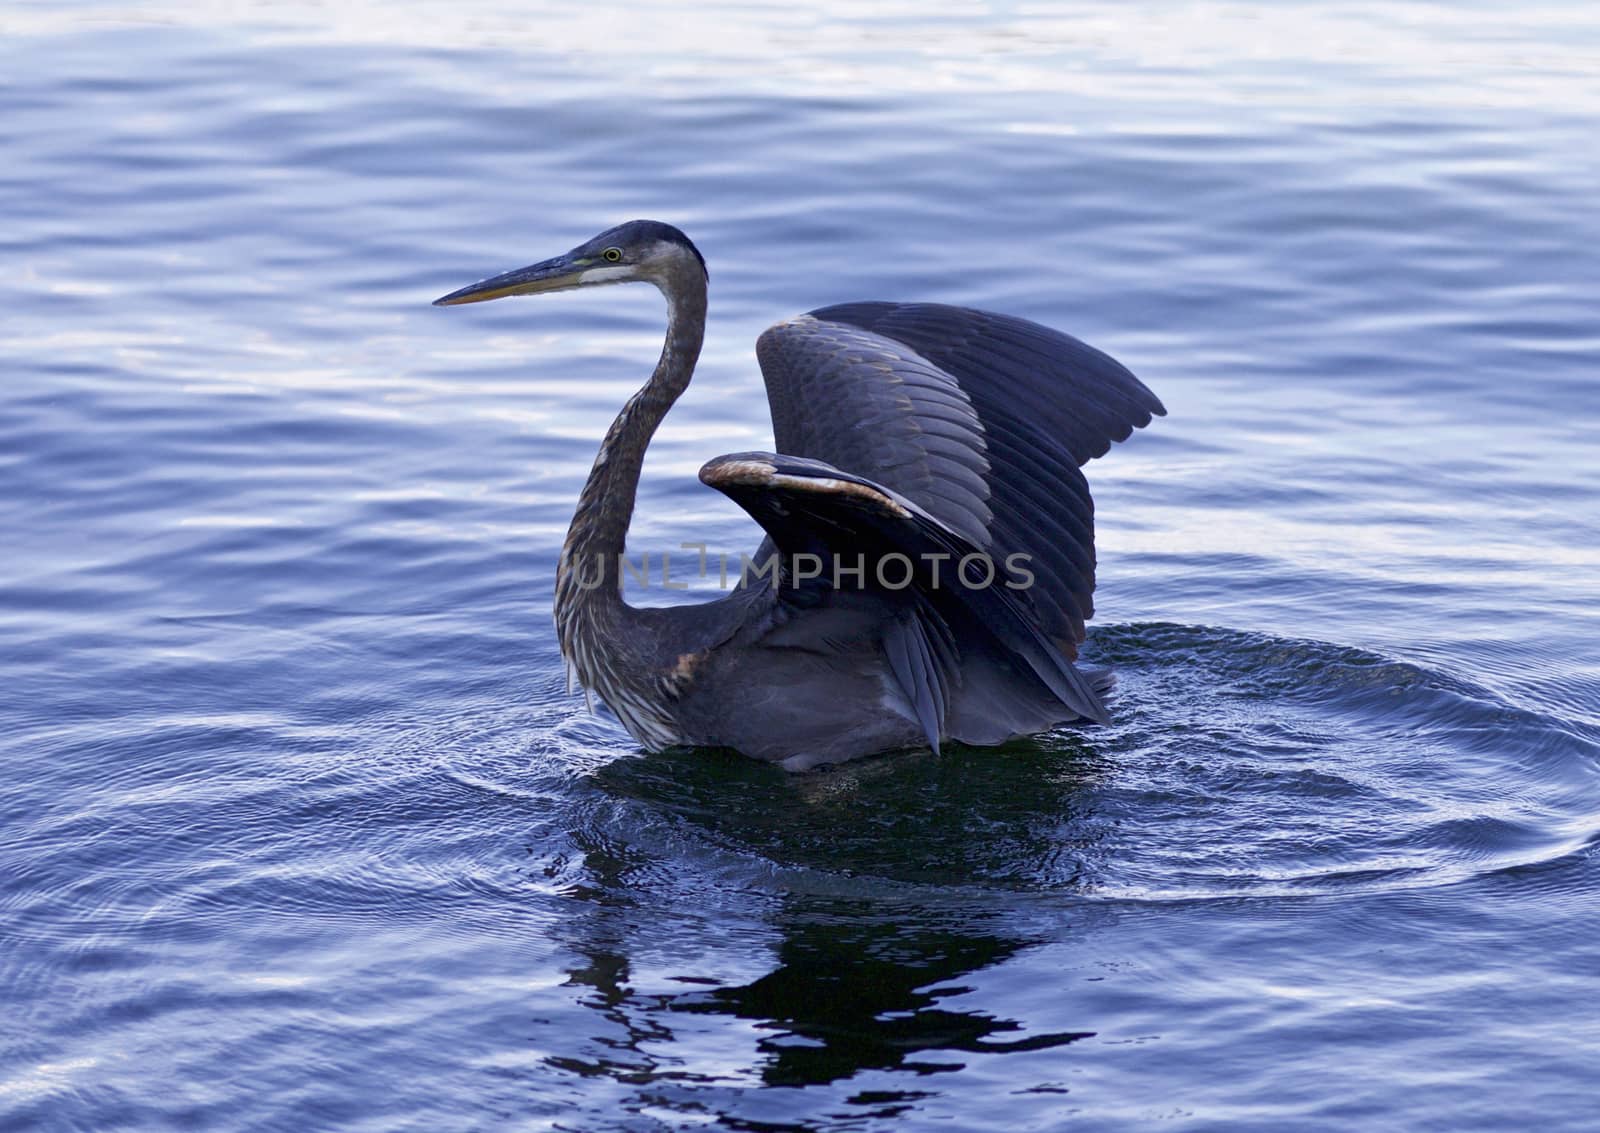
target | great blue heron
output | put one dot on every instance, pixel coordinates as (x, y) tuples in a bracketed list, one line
[(930, 534)]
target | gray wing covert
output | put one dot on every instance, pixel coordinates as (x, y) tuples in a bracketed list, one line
[(981, 419), (869, 405)]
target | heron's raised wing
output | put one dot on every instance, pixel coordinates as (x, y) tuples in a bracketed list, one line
[(851, 528), (980, 419)]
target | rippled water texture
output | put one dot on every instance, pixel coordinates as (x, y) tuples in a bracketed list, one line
[(301, 827)]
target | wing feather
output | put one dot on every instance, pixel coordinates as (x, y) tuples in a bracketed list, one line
[(982, 419)]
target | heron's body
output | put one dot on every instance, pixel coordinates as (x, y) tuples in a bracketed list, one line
[(929, 531)]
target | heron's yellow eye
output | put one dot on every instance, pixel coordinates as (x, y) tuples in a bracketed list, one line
[(612, 255)]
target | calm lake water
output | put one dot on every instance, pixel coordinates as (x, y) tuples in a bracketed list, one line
[(302, 830)]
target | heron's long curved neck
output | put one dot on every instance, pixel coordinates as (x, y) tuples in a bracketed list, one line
[(590, 572)]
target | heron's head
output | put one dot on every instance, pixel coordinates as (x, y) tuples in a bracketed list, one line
[(638, 250)]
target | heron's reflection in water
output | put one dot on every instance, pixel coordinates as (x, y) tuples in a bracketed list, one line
[(851, 991), (855, 992), (864, 974)]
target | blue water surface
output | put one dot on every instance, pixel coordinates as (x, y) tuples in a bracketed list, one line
[(302, 828)]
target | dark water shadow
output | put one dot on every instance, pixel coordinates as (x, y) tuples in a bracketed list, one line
[(865, 897), (854, 986), (855, 990), (1017, 816)]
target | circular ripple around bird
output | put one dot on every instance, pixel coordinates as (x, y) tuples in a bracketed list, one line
[(1241, 765)]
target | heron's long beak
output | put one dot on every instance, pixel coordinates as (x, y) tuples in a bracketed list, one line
[(558, 274)]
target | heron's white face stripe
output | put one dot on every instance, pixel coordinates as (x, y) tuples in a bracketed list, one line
[(602, 274)]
